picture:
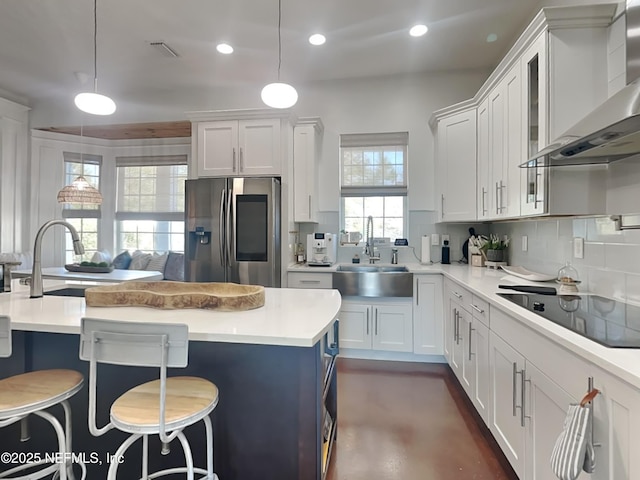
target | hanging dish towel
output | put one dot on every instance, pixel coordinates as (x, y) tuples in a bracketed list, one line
[(573, 451)]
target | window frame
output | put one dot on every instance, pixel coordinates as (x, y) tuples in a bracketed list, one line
[(397, 141)]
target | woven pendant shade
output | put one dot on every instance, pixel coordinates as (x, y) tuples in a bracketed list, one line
[(80, 191)]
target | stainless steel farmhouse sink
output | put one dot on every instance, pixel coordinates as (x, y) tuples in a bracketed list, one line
[(371, 268), (373, 281)]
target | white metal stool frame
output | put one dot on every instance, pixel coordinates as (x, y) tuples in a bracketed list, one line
[(62, 470), (145, 345)]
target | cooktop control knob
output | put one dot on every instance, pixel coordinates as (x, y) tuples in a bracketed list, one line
[(538, 306)]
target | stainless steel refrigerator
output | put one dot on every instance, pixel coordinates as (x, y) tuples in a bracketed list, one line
[(233, 230)]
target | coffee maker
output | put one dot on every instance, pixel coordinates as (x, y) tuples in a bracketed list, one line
[(322, 249)]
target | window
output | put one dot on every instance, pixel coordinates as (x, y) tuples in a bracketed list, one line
[(150, 203), (84, 217), (374, 183)]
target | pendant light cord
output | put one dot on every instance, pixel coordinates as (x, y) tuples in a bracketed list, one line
[(95, 46), (279, 37)]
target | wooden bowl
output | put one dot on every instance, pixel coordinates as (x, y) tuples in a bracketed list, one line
[(229, 297)]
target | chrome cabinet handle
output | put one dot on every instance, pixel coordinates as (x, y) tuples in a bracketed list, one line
[(523, 388), (234, 159), (457, 327), (241, 160), (309, 206), (367, 321), (477, 309), (455, 317), (513, 382), (457, 294), (471, 329), (376, 323), (497, 200), (309, 281), (442, 204), (484, 209)]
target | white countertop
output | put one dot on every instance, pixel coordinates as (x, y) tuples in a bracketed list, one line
[(290, 317), (115, 276), (622, 362)]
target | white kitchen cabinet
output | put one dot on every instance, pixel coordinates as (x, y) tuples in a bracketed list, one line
[(239, 148), (476, 361), (378, 326), (456, 166), (307, 141), (505, 145), (506, 417), (427, 315), (309, 280), (483, 187)]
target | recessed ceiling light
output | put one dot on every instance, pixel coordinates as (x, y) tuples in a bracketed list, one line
[(225, 48), (418, 30), (317, 39), (492, 37)]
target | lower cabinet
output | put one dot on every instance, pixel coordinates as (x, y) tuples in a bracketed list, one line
[(376, 326), (427, 315), (507, 417)]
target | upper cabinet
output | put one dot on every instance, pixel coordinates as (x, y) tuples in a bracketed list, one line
[(240, 143), (554, 75), (239, 148), (456, 165), (307, 142)]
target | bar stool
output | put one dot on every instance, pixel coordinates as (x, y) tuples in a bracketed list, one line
[(33, 393), (162, 407)]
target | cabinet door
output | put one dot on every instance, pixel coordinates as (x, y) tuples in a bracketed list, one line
[(514, 152), (534, 84), (464, 352), (496, 147), (448, 328), (304, 173), (546, 408), (427, 315), (457, 165), (393, 328), (505, 419), (457, 346), (356, 328), (218, 149), (259, 144), (479, 353), (484, 200)]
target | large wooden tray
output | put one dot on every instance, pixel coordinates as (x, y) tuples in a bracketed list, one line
[(228, 297)]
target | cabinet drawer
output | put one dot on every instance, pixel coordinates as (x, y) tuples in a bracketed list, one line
[(461, 295), (480, 309), (309, 280)]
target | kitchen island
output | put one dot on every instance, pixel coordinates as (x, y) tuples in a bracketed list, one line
[(269, 364)]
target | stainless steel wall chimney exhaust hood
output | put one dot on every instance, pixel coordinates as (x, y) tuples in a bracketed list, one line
[(612, 131)]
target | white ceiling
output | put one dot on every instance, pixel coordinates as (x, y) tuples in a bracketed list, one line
[(43, 42)]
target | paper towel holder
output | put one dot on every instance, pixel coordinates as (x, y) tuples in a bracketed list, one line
[(425, 253)]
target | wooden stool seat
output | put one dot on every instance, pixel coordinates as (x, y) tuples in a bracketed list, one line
[(187, 398), (37, 390)]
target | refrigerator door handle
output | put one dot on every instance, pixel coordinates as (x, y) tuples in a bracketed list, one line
[(221, 227), (228, 229)]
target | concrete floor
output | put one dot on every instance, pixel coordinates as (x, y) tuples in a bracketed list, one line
[(408, 421)]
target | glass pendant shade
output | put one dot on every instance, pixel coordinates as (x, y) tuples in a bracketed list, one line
[(80, 191), (279, 95), (95, 103)]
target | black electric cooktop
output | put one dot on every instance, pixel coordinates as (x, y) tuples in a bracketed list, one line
[(603, 320)]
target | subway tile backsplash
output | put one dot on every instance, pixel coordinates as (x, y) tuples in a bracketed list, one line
[(611, 263)]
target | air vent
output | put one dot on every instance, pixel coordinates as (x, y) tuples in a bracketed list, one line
[(165, 49)]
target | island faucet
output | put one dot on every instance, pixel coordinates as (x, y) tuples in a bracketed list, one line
[(369, 248), (36, 271)]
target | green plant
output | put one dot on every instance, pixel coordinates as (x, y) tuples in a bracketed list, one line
[(496, 243)]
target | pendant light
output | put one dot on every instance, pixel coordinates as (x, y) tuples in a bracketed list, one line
[(80, 190), (279, 95), (93, 102)]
